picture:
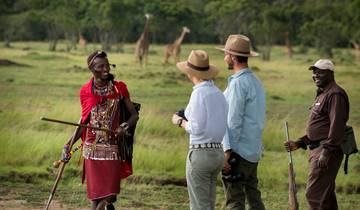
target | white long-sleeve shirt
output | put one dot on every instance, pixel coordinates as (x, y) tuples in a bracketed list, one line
[(206, 113)]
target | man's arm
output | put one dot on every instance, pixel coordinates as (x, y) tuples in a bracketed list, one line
[(302, 142), (338, 115), (236, 99), (134, 115)]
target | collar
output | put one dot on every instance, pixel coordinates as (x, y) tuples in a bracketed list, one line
[(325, 89), (239, 73), (204, 83)]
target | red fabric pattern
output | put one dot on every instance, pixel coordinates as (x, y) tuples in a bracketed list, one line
[(102, 178), (89, 100)]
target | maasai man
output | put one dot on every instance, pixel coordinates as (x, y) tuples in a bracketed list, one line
[(104, 102)]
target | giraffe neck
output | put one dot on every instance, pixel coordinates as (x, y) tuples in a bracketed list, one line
[(180, 39), (146, 28)]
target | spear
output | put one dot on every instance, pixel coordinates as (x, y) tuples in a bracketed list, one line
[(61, 168)]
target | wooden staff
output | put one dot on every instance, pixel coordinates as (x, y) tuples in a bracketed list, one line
[(62, 164), (76, 124)]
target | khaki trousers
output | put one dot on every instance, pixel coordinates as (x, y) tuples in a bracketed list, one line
[(202, 169)]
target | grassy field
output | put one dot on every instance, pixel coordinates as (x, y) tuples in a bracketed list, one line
[(48, 84)]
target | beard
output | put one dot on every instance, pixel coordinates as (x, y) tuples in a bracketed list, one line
[(230, 66)]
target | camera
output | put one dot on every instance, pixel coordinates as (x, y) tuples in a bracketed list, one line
[(181, 113), (231, 176)]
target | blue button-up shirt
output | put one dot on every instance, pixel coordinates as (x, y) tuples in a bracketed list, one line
[(206, 114), (246, 98)]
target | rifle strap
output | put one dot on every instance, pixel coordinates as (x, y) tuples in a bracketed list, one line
[(346, 163)]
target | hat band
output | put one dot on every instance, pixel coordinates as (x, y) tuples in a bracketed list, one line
[(198, 68), (247, 52)]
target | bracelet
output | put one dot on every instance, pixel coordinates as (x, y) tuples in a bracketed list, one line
[(124, 125), (66, 147)]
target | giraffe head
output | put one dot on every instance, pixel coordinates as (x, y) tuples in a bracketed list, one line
[(148, 16), (186, 29)]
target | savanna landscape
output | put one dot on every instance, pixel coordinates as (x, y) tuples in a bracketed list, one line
[(43, 50), (43, 83)]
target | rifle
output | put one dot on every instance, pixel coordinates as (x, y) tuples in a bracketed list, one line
[(294, 205), (61, 168)]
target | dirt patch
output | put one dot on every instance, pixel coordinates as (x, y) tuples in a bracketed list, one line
[(6, 62), (11, 198), (22, 204), (157, 181)]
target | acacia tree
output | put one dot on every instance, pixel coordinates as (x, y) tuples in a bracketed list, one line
[(109, 21), (12, 15), (287, 17), (252, 18), (169, 17), (351, 28), (233, 16), (323, 25), (72, 12), (265, 29)]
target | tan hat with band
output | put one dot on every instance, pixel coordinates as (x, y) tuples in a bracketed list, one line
[(198, 65), (237, 44)]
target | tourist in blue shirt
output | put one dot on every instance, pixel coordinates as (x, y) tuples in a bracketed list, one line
[(242, 142), (205, 121)]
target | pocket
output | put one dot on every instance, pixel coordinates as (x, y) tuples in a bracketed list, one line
[(316, 110), (190, 155)]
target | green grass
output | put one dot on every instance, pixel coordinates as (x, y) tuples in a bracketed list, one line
[(50, 84)]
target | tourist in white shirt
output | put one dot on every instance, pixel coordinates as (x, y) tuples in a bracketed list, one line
[(205, 121)]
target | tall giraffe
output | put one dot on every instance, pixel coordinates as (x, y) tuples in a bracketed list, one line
[(174, 49), (142, 44), (82, 41)]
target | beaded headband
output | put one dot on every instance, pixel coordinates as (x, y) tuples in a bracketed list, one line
[(98, 53)]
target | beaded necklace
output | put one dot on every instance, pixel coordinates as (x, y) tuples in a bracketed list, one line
[(102, 115)]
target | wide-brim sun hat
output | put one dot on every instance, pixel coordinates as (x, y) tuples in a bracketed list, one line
[(198, 65), (239, 45)]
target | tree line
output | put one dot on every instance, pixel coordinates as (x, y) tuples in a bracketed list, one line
[(323, 24)]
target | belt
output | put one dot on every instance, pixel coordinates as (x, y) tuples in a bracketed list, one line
[(315, 144), (205, 145)]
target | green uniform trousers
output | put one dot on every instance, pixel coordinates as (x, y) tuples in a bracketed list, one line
[(246, 187)]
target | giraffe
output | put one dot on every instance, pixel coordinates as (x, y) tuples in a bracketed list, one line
[(142, 44), (82, 41), (174, 49)]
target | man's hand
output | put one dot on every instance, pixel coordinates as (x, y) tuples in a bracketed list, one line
[(120, 131), (65, 156), (323, 160), (175, 119), (227, 166), (290, 146)]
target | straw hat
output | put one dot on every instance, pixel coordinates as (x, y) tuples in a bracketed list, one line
[(198, 65), (237, 44), (323, 64)]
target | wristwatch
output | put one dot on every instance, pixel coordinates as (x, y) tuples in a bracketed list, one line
[(179, 122)]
